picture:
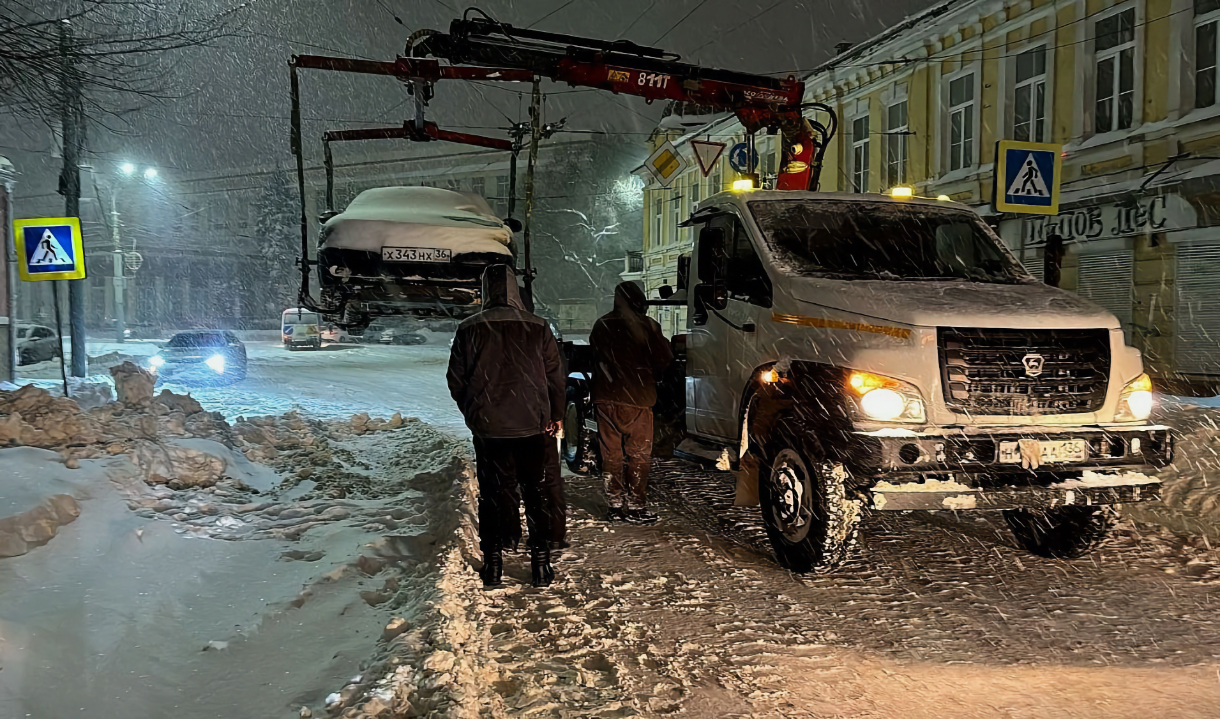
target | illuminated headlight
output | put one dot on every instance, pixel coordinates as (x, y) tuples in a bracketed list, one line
[(156, 361), (1135, 403), (885, 399), (216, 362)]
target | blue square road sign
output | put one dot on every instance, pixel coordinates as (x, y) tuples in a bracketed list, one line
[(1027, 177), (49, 248)]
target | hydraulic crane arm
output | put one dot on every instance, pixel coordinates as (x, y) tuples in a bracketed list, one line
[(758, 101)]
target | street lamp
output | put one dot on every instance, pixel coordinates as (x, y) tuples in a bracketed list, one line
[(127, 170)]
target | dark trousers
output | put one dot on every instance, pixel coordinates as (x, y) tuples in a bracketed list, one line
[(510, 470), (625, 435)]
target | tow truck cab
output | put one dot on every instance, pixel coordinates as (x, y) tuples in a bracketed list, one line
[(856, 352)]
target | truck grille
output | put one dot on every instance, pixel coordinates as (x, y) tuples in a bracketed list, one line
[(1024, 372)]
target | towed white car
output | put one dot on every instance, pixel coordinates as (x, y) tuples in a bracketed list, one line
[(409, 251)]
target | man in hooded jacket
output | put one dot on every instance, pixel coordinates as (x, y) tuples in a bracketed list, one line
[(629, 353), (505, 374)]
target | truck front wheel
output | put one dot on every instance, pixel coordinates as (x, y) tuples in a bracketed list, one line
[(811, 523), (1063, 532)]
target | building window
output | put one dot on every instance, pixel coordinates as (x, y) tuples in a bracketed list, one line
[(502, 194), (658, 218), (1207, 17), (1029, 97), (961, 122), (453, 184), (896, 144), (1115, 52), (477, 185), (859, 154)]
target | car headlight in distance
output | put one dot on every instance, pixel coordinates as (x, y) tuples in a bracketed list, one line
[(885, 399), (1135, 403), (156, 361), (216, 362)]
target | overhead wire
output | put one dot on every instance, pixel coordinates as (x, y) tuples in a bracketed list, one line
[(544, 17), (684, 17)]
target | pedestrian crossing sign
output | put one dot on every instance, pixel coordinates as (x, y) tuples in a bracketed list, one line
[(49, 248), (1027, 177)]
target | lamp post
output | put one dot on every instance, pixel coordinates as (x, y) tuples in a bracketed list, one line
[(126, 170)]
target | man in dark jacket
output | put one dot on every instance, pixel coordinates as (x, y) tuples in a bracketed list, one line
[(629, 352), (506, 376)]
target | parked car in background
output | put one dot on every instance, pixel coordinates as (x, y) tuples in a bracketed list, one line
[(400, 336), (335, 333), (201, 355), (37, 343), (372, 333)]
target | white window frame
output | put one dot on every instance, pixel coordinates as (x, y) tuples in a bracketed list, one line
[(969, 160), (1091, 61), (898, 136), (859, 171), (658, 218), (1046, 79), (1198, 21)]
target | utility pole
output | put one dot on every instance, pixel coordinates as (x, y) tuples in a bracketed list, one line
[(535, 137), (69, 187), (120, 278)]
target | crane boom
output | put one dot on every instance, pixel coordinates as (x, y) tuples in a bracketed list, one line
[(758, 101)]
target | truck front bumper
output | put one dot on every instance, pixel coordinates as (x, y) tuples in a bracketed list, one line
[(1010, 468)]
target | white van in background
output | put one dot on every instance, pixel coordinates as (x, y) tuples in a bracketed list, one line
[(300, 328)]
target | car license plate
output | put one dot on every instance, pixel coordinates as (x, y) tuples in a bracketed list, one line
[(1051, 451), (416, 254)]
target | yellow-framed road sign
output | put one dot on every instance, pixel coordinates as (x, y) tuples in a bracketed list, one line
[(49, 248), (1027, 177)]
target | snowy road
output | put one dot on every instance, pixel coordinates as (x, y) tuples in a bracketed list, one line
[(940, 616)]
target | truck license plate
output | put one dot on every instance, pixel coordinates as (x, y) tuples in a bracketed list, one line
[(1051, 451), (416, 254)]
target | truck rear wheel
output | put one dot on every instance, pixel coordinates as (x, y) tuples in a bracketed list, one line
[(811, 523), (1063, 532), (578, 442)]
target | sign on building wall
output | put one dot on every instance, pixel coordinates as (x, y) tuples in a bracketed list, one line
[(49, 248), (1162, 213), (1027, 177)]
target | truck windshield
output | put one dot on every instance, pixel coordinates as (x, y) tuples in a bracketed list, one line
[(887, 241)]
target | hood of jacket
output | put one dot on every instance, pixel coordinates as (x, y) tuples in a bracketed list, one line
[(629, 299), (500, 288)]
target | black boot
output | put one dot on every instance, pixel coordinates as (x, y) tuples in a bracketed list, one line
[(540, 563), (493, 568)]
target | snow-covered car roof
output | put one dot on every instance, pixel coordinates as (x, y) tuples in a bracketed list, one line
[(418, 217)]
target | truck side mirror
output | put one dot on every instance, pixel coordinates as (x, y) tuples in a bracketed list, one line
[(513, 224)]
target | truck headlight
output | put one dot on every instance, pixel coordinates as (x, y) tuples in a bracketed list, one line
[(886, 399), (1135, 403), (216, 362)]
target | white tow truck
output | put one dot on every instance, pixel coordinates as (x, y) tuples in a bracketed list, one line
[(854, 353)]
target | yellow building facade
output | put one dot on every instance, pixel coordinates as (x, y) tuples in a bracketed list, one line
[(1128, 89)]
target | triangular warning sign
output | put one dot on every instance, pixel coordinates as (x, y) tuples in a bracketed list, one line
[(706, 154), (48, 251), (1029, 181)]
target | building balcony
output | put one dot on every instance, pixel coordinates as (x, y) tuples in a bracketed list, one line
[(633, 267)]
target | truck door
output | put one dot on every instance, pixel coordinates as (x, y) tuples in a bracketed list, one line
[(733, 290)]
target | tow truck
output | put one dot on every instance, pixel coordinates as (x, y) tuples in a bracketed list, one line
[(851, 353)]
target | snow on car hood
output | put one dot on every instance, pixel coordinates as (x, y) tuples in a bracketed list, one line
[(417, 217), (961, 304)]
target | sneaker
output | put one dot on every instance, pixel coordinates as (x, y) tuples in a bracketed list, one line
[(616, 514), (641, 516)]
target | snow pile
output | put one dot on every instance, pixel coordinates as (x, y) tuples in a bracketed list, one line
[(1190, 486), (36, 499), (417, 217)]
